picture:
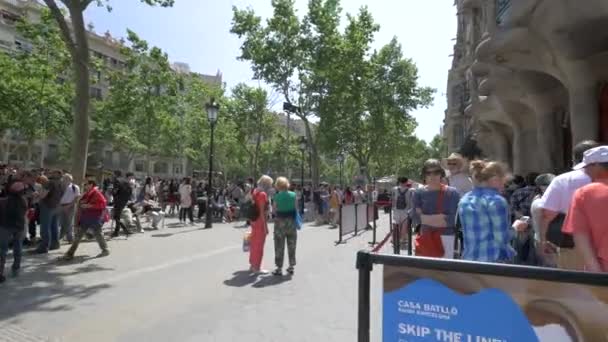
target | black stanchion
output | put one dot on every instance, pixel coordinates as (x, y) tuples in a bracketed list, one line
[(340, 227), (410, 237), (397, 240), (364, 265), (374, 227), (356, 219)]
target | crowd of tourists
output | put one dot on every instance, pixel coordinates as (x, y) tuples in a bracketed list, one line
[(485, 214), (42, 208), (472, 210)]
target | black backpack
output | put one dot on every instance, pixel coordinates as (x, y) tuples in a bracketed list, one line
[(401, 200), (250, 210), (3, 211), (123, 193), (555, 235)]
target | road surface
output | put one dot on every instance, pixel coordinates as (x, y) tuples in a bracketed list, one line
[(189, 284)]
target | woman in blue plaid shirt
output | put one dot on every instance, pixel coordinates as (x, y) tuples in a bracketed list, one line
[(484, 215)]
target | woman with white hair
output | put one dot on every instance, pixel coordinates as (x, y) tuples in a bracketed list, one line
[(259, 225)]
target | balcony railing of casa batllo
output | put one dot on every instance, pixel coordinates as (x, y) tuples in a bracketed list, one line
[(502, 6)]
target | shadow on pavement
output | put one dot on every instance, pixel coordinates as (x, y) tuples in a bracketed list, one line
[(41, 285), (241, 279), (271, 280), (164, 235)]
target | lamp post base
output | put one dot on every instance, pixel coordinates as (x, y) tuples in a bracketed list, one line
[(208, 218)]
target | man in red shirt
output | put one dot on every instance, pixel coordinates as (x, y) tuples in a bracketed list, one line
[(587, 216)]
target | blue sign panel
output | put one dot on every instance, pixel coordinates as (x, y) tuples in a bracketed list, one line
[(427, 310)]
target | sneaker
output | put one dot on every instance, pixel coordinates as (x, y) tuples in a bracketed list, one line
[(290, 270), (277, 272), (114, 235), (104, 253)]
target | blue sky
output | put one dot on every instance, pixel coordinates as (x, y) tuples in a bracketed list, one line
[(197, 32)]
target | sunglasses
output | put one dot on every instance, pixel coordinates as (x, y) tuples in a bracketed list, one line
[(433, 172)]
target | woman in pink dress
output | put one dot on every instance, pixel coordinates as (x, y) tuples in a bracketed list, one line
[(259, 227)]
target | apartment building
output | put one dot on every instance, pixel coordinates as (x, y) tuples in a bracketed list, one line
[(107, 49), (538, 77)]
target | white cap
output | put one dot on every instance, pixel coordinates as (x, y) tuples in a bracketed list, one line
[(593, 156)]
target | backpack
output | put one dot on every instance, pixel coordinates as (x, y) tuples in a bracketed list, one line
[(555, 235), (123, 193), (3, 211), (250, 210), (401, 200)]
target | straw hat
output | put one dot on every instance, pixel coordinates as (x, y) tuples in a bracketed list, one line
[(455, 157)]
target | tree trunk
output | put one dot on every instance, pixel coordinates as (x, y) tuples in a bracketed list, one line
[(80, 59), (256, 155), (5, 148), (314, 160)]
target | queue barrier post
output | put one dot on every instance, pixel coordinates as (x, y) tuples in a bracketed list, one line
[(356, 218), (364, 265), (374, 227), (340, 226)]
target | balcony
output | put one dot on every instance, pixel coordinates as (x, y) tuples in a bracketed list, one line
[(502, 6)]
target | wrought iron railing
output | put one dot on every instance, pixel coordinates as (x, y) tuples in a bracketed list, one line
[(501, 9)]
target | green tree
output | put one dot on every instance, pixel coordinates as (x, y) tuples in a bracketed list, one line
[(363, 99), (74, 35), (248, 109), (372, 116), (139, 114), (282, 54), (35, 101), (438, 147)]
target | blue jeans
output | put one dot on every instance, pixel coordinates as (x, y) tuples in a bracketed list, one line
[(49, 230), (6, 236)]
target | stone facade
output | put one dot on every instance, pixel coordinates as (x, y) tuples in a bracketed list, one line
[(538, 75)]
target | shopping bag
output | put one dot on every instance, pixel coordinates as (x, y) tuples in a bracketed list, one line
[(247, 241), (298, 220)]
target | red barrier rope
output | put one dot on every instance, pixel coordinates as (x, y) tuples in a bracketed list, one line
[(383, 242)]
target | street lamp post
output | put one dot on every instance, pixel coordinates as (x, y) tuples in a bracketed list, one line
[(212, 109), (341, 163), (303, 146)]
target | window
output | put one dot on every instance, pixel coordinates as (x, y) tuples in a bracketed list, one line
[(161, 167), (139, 166), (52, 152), (8, 17), (6, 43), (23, 46), (177, 169), (96, 93), (458, 134), (108, 158)]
